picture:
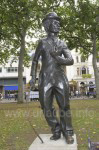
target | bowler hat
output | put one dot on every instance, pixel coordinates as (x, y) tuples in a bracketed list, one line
[(51, 15)]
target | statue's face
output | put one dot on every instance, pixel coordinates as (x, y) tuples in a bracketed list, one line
[(54, 26)]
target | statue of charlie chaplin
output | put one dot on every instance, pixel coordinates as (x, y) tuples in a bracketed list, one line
[(53, 81)]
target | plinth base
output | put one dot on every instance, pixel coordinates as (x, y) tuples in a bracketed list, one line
[(48, 144)]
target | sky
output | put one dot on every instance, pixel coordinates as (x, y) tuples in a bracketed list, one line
[(75, 2)]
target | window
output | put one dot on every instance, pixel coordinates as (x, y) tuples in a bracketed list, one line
[(77, 60), (78, 71), (87, 70), (0, 70), (83, 70), (16, 69), (23, 69), (12, 69), (98, 59), (82, 59)]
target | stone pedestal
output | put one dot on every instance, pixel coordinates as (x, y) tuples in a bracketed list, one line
[(52, 145)]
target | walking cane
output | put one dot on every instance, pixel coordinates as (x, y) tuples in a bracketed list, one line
[(36, 132), (34, 128)]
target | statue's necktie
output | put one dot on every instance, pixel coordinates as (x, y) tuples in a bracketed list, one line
[(54, 42)]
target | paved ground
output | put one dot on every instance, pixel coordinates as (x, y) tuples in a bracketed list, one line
[(7, 101)]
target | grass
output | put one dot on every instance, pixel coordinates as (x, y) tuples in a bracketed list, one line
[(17, 134)]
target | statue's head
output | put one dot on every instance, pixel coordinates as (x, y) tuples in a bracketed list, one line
[(51, 22)]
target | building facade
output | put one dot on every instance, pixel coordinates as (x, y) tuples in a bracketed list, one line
[(82, 73), (9, 79)]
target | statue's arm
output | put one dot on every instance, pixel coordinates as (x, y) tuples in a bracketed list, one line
[(67, 59), (35, 61)]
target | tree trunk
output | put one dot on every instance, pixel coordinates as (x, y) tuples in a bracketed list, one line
[(20, 70), (96, 72)]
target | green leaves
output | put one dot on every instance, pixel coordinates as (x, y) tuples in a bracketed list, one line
[(20, 16), (79, 23), (86, 75)]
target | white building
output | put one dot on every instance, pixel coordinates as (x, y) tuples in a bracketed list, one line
[(9, 79), (9, 74), (82, 67)]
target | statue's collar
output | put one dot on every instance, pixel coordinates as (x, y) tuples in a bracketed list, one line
[(52, 38)]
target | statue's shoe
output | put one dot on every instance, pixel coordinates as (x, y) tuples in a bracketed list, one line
[(69, 139), (55, 137)]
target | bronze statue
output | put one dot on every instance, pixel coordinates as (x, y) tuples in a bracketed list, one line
[(52, 80)]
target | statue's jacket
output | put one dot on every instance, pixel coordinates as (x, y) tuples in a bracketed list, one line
[(53, 56)]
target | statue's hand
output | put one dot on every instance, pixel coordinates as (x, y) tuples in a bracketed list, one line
[(32, 83), (54, 54), (57, 57)]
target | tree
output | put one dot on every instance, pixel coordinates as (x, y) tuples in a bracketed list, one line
[(81, 30), (21, 18), (4, 35)]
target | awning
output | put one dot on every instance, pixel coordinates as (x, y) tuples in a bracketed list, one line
[(92, 86), (7, 88)]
